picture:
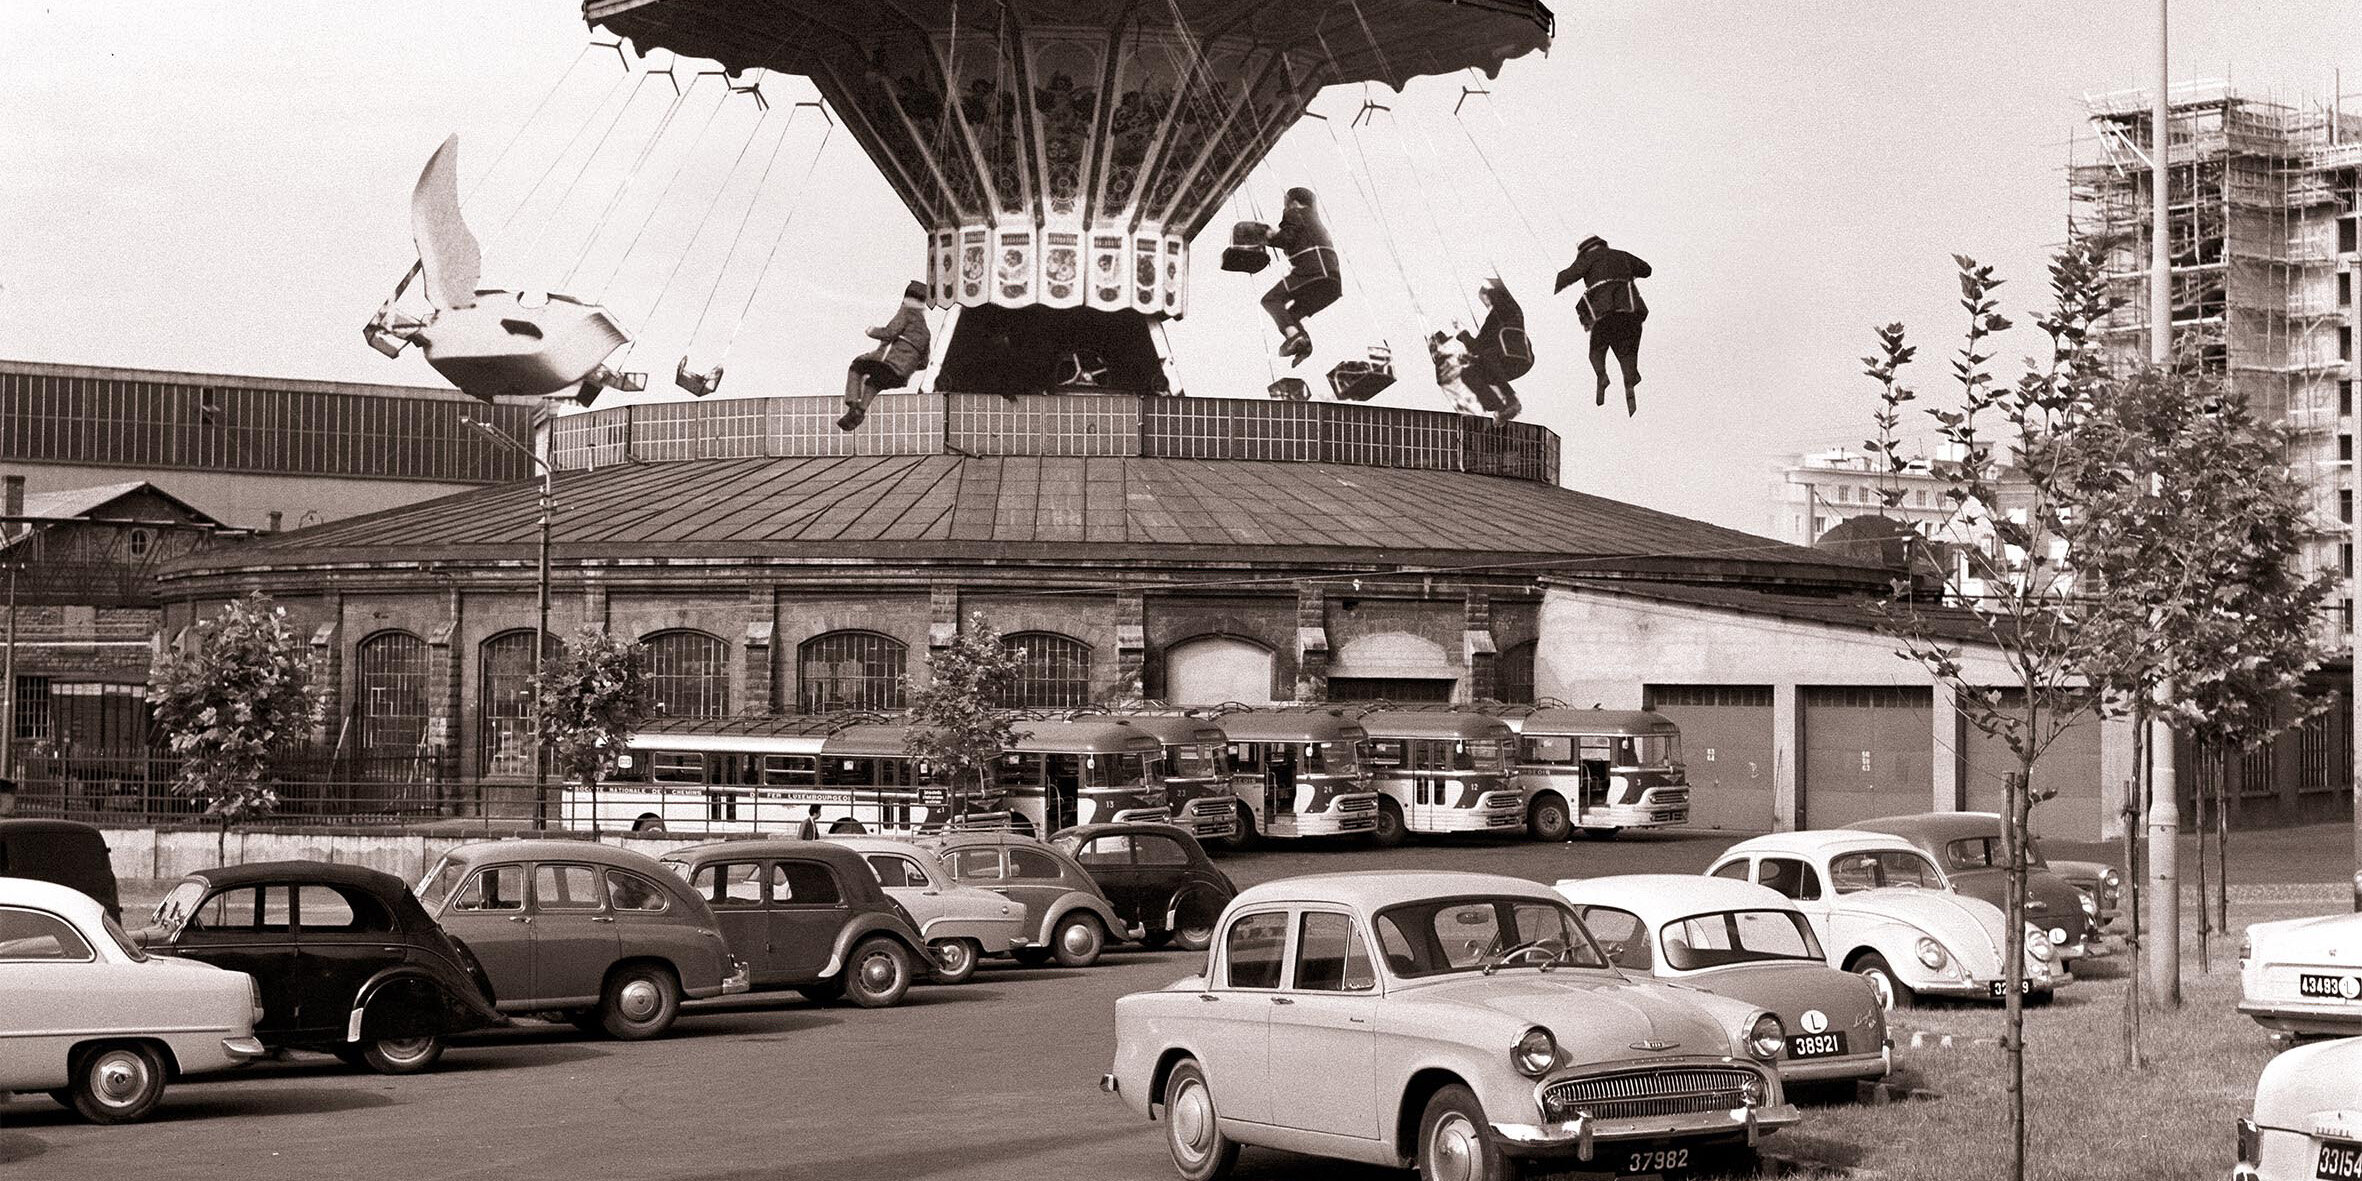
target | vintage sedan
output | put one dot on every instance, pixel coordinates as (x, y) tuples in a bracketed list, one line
[(63, 851), (1458, 1023), (99, 1024), (2303, 977), (1067, 917), (806, 915), (1966, 847), (1747, 942), (1880, 909), (1158, 877), (961, 924), (2307, 1124), (2097, 880), (598, 936), (347, 962)]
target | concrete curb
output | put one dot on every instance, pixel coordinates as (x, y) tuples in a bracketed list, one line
[(1923, 1040)]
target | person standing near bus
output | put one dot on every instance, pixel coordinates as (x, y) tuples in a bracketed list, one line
[(1611, 308)]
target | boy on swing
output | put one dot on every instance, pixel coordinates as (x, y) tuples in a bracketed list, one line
[(903, 348), (1611, 308), (1314, 279)]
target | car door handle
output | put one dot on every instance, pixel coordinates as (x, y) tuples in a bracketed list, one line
[(1208, 997), (602, 918), (520, 918), (1281, 1000)]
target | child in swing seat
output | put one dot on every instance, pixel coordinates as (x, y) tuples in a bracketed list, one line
[(903, 349), (1464, 377), (1314, 279)]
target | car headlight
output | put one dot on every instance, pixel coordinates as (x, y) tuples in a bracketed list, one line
[(1535, 1053), (2038, 946), (2091, 906), (1931, 952), (2111, 879), (1752, 1089), (1765, 1037)]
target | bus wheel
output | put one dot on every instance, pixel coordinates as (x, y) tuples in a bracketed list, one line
[(1601, 834), (1243, 838), (1548, 821), (846, 828), (648, 824), (1390, 830)]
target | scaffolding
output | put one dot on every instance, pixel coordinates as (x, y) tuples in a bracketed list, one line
[(2260, 221)]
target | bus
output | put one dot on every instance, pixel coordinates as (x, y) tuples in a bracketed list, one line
[(1297, 773), (1057, 774), (1440, 772), (1197, 779), (703, 776), (1600, 771)]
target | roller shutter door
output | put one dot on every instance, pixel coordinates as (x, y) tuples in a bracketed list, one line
[(1726, 740), (2071, 765), (1866, 752)]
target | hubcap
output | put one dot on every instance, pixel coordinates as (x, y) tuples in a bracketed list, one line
[(118, 1078), (877, 972), (1884, 987), (1191, 1117), (953, 956), (404, 1049), (640, 999), (1077, 939), (1453, 1155)]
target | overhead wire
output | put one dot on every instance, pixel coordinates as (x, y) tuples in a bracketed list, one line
[(631, 177), (567, 193), (781, 235), (484, 178), (576, 138)]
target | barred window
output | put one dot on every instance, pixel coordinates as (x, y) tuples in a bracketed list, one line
[(849, 670), (390, 696), (689, 674), (504, 702), (1513, 674), (1053, 672), (32, 708)]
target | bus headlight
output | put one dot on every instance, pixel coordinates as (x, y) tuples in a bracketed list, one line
[(1535, 1053), (1766, 1036)]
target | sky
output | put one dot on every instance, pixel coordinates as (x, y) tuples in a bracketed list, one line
[(224, 188)]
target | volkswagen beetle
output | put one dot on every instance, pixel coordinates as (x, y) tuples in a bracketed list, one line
[(1067, 917), (1458, 1023), (961, 924), (2303, 977), (1966, 847)]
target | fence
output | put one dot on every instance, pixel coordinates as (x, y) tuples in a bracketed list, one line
[(313, 788)]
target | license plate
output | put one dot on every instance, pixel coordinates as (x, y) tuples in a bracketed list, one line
[(2335, 988), (1816, 1045), (1630, 1164), (2340, 1160), (1997, 987)]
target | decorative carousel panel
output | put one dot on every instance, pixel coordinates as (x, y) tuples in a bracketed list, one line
[(990, 102), (1108, 263), (1148, 77), (1065, 75)]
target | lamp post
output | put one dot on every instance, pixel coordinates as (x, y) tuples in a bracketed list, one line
[(541, 602)]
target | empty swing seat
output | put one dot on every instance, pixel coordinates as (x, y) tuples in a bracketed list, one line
[(1249, 250), (1360, 381), (504, 346), (1290, 389)]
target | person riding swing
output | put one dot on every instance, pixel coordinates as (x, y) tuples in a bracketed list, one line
[(1315, 278), (903, 349), (1611, 308)]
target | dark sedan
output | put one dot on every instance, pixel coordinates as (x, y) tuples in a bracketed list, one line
[(347, 961), (1157, 876), (1968, 847), (807, 915)]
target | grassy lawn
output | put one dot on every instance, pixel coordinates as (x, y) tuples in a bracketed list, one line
[(2088, 1119)]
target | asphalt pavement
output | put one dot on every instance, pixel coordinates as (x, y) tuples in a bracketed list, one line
[(996, 1078)]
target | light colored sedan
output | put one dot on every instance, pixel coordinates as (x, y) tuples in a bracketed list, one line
[(1747, 942), (2303, 977), (1458, 1023), (100, 1024), (961, 924), (2308, 1117)]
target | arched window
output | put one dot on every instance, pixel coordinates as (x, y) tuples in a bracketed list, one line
[(1513, 674), (689, 674), (849, 670), (504, 703), (1211, 670), (390, 702), (1053, 672)]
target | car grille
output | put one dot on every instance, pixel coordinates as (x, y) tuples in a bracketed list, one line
[(1358, 804), (1647, 1092)]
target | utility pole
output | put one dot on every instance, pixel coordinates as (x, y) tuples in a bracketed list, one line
[(2162, 939), (539, 455)]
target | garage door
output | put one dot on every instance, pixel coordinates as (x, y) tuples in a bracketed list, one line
[(1726, 739), (1217, 669), (1866, 752), (2071, 765)]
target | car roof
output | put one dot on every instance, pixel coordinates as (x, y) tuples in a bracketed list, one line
[(965, 838), (1379, 888), (254, 873), (784, 847), (45, 826), (1661, 897), (1812, 842), (552, 849), (1400, 723), (65, 900), (1938, 826), (870, 844), (1085, 832)]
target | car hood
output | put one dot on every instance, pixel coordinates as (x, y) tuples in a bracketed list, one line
[(2312, 1089), (1969, 928), (2330, 939), (2062, 903), (2079, 872), (1789, 990), (1595, 1016)]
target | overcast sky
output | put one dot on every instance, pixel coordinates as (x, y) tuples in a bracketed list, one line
[(224, 187)]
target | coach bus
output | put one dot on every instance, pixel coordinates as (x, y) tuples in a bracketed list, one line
[(1057, 774), (1600, 771), (1197, 780), (1298, 772), (1440, 771)]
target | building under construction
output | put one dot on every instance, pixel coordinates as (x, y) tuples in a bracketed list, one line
[(2261, 215)]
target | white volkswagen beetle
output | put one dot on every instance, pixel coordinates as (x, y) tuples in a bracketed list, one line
[(2308, 1116), (1879, 907), (96, 1022), (1457, 1022), (961, 924), (2303, 977)]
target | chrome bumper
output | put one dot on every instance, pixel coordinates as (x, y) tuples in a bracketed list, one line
[(1809, 1070), (740, 979), (1580, 1135), (244, 1049), (1473, 820), (2305, 1016)]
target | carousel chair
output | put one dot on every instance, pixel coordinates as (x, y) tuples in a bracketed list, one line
[(698, 384), (1362, 380), (1250, 248), (1290, 389)]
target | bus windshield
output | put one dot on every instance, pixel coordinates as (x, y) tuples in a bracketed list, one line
[(1121, 770), (1332, 758), (1480, 754), (1649, 750), (1194, 761)]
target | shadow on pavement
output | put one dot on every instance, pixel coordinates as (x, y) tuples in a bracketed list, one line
[(189, 1103), (16, 1146)]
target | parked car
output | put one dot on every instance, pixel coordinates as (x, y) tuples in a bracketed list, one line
[(1453, 1022), (603, 937), (2303, 977), (99, 1024), (1067, 917), (807, 915), (346, 960), (2099, 881), (1880, 909), (961, 924), (1967, 849), (64, 852), (2308, 1116), (1157, 876), (1747, 942)]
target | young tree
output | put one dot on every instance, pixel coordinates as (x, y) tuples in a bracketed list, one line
[(590, 704), (953, 723), (238, 692)]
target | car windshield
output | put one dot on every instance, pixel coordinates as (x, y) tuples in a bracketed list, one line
[(1738, 937), (172, 913), (1485, 934)]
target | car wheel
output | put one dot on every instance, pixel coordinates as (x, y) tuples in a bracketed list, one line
[(1243, 838), (116, 1083), (1192, 1132), (1892, 992), (648, 824), (877, 974), (1194, 922), (955, 959), (401, 1055), (1452, 1144), (1548, 821), (1031, 957), (640, 1002), (1078, 941), (1390, 830), (846, 828), (1600, 834)]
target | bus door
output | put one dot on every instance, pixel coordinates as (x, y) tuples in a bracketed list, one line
[(1062, 792), (725, 773), (1595, 754), (1279, 777)]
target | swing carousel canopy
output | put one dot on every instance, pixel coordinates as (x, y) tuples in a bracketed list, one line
[(1063, 153)]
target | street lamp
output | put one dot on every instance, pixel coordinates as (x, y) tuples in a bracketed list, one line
[(541, 606)]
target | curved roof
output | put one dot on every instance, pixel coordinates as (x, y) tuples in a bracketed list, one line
[(1814, 842), (1663, 897), (1377, 888), (1391, 723), (64, 900), (557, 849), (258, 872), (1065, 509), (1935, 826)]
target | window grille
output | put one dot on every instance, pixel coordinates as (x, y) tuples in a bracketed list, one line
[(849, 670), (1054, 672), (689, 674)]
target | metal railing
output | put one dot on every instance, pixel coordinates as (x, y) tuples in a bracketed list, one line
[(314, 788)]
